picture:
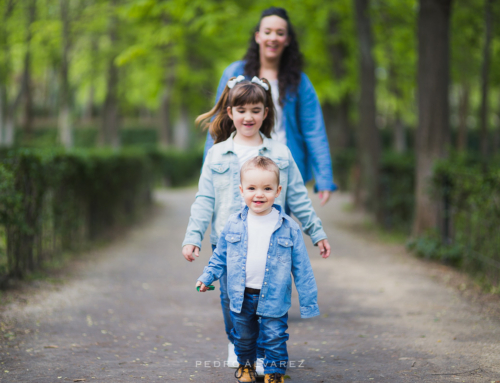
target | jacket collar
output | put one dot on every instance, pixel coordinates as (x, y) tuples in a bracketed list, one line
[(244, 212), (228, 145)]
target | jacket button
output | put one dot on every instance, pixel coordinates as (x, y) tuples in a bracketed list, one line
[(265, 283), (268, 256), (267, 269), (262, 295)]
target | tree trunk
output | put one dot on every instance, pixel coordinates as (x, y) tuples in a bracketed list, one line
[(65, 128), (399, 143), (432, 133), (165, 133), (110, 128), (483, 117), (5, 68), (88, 113), (181, 131), (367, 133), (463, 114), (337, 115), (28, 93)]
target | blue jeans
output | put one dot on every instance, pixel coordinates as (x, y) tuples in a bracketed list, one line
[(271, 332), (226, 311)]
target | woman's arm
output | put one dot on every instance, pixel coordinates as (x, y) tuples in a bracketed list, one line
[(312, 127)]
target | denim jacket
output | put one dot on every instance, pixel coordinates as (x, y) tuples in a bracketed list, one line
[(305, 129), (287, 256), (219, 195)]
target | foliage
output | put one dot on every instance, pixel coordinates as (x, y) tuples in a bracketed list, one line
[(469, 189)]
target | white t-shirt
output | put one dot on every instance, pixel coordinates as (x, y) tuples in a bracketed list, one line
[(260, 229), (244, 153), (278, 133)]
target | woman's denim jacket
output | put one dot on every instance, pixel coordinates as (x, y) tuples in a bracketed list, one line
[(219, 195), (287, 256), (304, 126)]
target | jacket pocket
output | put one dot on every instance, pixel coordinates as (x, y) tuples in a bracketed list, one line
[(220, 175), (285, 249), (233, 244)]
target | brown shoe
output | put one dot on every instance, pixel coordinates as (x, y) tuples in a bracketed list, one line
[(275, 377), (245, 374)]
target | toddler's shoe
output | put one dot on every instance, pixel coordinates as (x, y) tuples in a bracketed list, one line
[(274, 378), (245, 374), (232, 359)]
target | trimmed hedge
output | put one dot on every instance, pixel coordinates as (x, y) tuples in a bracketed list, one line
[(470, 193), (56, 201)]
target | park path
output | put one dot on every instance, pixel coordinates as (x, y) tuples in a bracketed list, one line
[(130, 313)]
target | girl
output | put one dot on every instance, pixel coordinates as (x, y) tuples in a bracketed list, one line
[(274, 53), (241, 129)]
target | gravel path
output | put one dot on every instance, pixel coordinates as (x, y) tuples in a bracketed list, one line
[(130, 313)]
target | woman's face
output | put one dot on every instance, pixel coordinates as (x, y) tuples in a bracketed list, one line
[(272, 37)]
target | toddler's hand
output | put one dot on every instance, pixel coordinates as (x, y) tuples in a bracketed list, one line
[(324, 248), (187, 252), (203, 288)]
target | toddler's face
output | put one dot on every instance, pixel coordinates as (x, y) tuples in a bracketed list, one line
[(259, 188)]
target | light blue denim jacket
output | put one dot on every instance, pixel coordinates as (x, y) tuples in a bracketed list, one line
[(305, 129), (287, 256), (219, 195)]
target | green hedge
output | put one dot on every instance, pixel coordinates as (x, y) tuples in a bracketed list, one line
[(55, 201), (469, 190)]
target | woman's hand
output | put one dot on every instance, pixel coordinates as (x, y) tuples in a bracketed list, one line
[(324, 248), (324, 196), (187, 252), (203, 288)]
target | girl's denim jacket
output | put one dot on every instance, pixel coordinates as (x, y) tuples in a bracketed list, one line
[(287, 256), (219, 195), (305, 129)]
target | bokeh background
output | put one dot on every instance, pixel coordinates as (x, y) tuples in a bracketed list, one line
[(98, 100)]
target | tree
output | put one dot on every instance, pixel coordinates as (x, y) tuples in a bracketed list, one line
[(432, 133), (483, 117), (110, 114), (368, 140), (65, 133)]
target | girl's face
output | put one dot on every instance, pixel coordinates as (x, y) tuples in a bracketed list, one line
[(248, 118), (272, 37)]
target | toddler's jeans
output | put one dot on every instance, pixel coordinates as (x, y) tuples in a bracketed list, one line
[(271, 333)]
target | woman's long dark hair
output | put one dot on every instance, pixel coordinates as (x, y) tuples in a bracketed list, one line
[(291, 60)]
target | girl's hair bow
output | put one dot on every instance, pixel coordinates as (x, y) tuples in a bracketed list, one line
[(240, 78), (234, 81)]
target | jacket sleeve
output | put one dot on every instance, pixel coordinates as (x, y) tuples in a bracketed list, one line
[(303, 277), (313, 130), (300, 204), (217, 265), (202, 209)]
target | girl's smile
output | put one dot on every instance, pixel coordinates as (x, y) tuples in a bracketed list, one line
[(248, 120)]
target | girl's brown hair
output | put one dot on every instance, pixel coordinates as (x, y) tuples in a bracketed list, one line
[(244, 92)]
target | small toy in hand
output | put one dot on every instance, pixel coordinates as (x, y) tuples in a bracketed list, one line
[(210, 287)]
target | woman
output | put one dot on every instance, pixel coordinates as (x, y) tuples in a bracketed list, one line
[(274, 54)]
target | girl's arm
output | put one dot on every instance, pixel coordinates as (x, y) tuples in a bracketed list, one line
[(202, 209), (300, 204), (303, 277), (313, 130)]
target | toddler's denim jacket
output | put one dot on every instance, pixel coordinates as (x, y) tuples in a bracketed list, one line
[(219, 195), (287, 256)]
